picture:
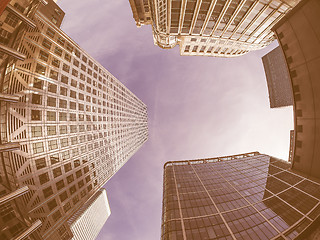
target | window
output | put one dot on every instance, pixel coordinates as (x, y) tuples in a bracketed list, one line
[(57, 172), (78, 173), (73, 128), (64, 142), (67, 167), (73, 94), (81, 107), (53, 74), (37, 147), (70, 178), (37, 83), (62, 104), (74, 83), (40, 69), (84, 58), (43, 178), (40, 163), (72, 105), (76, 163), (80, 184), (51, 116), (4, 36), (43, 56), (69, 47), (19, 7), (60, 41), (50, 32), (62, 116), (52, 204), (36, 99), (77, 52), (58, 51), (73, 117), (83, 67), (56, 216), (60, 184), (63, 196), (36, 115), (46, 43), (72, 190), (51, 130), (51, 101), (74, 140), (55, 62), (54, 159), (11, 20), (67, 207), (52, 144), (52, 88), (74, 72), (76, 62), (54, 20), (63, 129), (75, 200), (36, 131), (47, 192), (65, 68), (64, 79), (81, 86), (67, 57)]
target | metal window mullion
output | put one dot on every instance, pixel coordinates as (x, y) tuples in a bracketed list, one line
[(233, 16), (223, 12), (253, 20), (209, 13), (244, 18), (182, 14), (195, 16)]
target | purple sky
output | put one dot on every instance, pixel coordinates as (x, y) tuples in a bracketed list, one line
[(198, 107)]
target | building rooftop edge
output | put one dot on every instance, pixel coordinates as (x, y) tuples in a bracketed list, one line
[(214, 159)]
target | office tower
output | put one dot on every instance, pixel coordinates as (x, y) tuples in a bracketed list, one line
[(221, 28), (72, 125), (278, 79), (298, 35), (87, 222), (245, 196)]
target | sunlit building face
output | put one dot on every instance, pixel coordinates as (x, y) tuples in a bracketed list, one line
[(73, 124), (220, 28)]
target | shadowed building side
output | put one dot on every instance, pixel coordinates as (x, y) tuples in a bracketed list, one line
[(246, 196), (299, 37)]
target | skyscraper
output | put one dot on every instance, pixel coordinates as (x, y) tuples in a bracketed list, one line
[(221, 28), (245, 196), (87, 222), (278, 79), (70, 126)]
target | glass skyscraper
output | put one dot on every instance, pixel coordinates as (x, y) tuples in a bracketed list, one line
[(246, 196)]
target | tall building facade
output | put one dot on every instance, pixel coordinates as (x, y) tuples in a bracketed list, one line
[(298, 35), (278, 79), (69, 127), (87, 222), (245, 196), (220, 28)]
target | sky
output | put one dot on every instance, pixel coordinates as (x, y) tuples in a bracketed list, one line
[(198, 107)]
